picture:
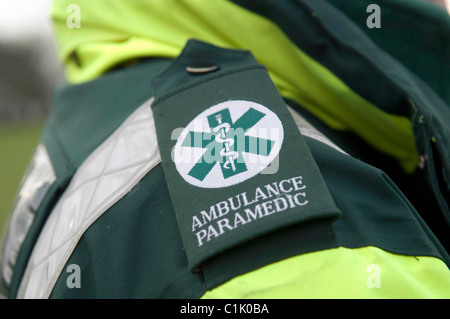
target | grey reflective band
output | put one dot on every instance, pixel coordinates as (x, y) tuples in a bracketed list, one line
[(309, 130), (110, 172), (36, 182)]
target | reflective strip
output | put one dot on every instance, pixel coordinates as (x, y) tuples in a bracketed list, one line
[(109, 173), (307, 129), (36, 182)]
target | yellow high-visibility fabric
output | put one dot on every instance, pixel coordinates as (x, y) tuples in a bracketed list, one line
[(112, 32), (367, 272)]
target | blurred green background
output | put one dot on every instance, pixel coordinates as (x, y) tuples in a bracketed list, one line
[(29, 69)]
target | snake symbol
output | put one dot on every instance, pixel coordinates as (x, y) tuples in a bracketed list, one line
[(228, 142)]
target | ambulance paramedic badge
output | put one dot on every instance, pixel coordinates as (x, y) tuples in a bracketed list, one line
[(227, 144)]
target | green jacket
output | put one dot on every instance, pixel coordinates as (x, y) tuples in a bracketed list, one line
[(353, 204)]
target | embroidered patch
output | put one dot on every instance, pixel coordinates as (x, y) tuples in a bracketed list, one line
[(235, 163)]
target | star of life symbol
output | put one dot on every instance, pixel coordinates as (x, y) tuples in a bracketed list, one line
[(227, 144)]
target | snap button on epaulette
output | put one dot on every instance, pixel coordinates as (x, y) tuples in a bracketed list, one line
[(202, 68)]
